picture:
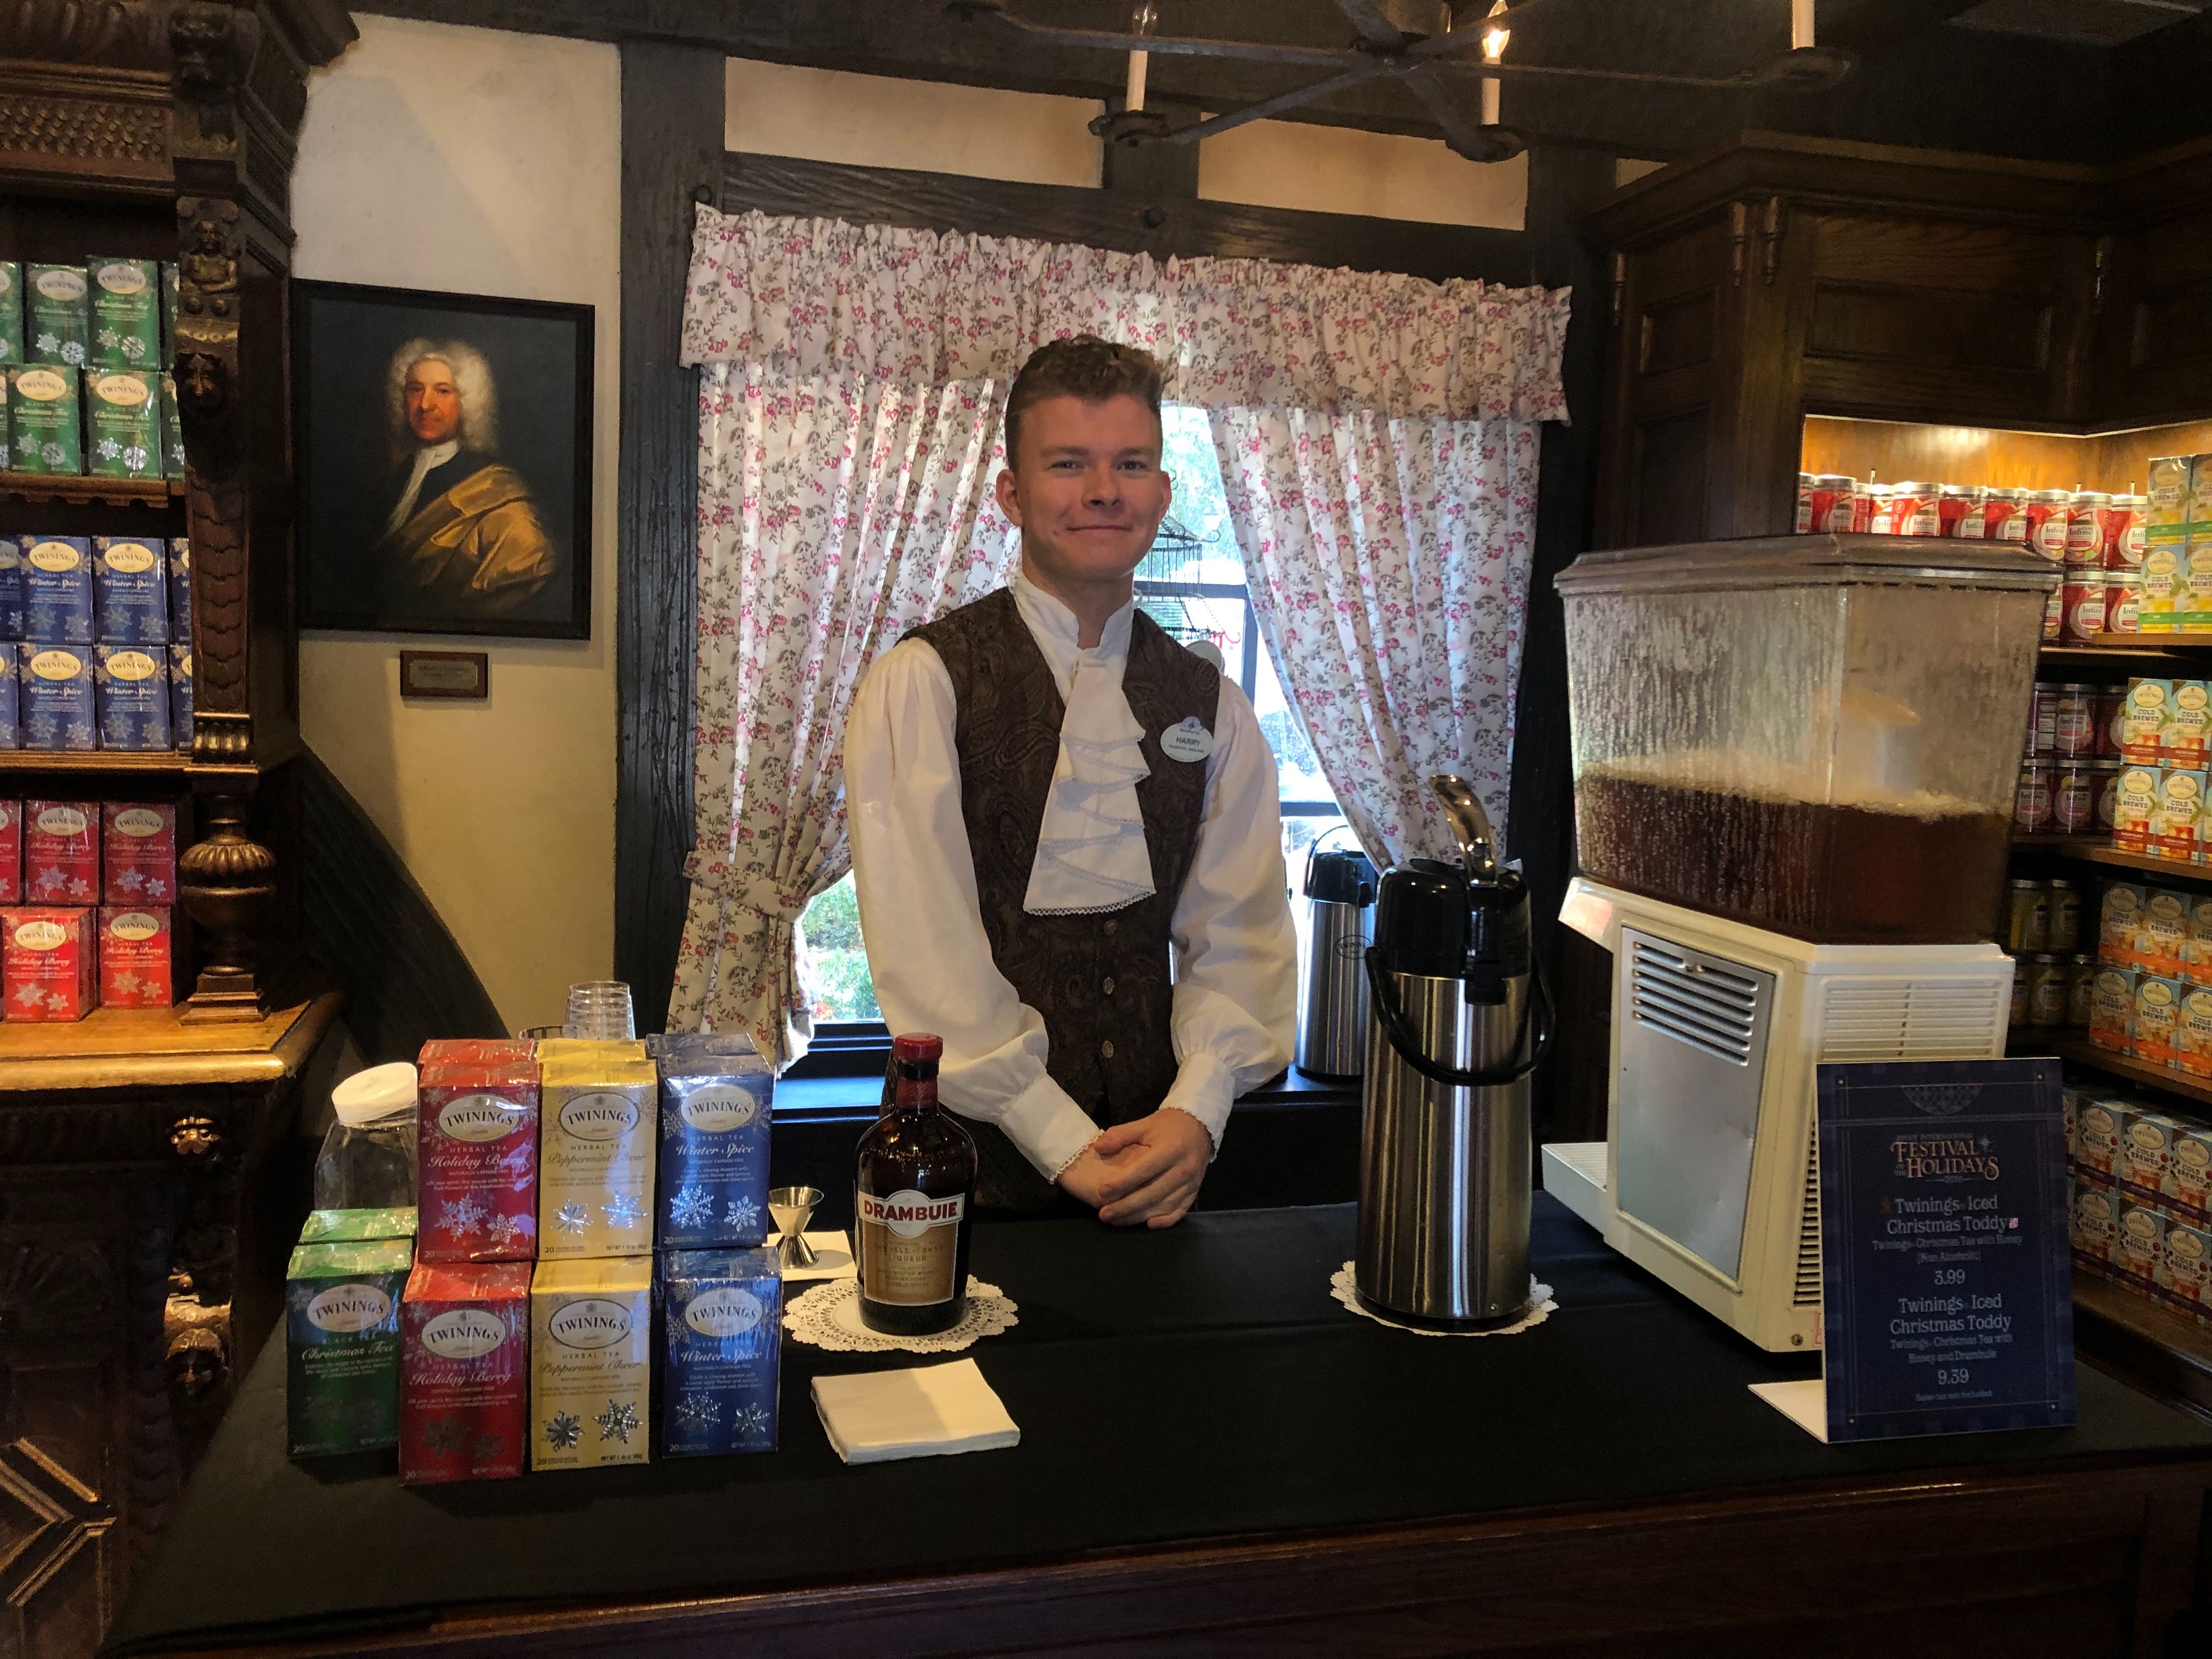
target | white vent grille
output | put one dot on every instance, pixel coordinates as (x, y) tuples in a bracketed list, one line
[(1807, 1293), (1910, 1019), (1709, 1008)]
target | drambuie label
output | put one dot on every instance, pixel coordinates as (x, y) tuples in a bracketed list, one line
[(909, 1247), (909, 1214)]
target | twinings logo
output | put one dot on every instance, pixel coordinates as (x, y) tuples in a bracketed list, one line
[(727, 1311), (2156, 995), (62, 284), (598, 1117), (717, 1110), (2183, 1243), (479, 1118), (2096, 1207), (55, 556), (2138, 786), (2191, 697), (463, 1334), (348, 1308), (2165, 907), (1946, 1158), (61, 821), (58, 664), (133, 925), (2140, 1225), (42, 385), (130, 558), (2182, 787), (2147, 1136), (132, 665), (589, 1323), (123, 278), (2196, 1154), (42, 935), (180, 556), (126, 389), (2159, 562), (2149, 695), (140, 821), (910, 1214), (185, 665)]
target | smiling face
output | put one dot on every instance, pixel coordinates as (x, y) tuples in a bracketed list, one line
[(1086, 487), (434, 401)]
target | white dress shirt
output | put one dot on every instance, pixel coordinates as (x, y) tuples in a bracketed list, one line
[(1233, 1015), (426, 457)]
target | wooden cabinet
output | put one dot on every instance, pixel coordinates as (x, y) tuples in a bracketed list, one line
[(1783, 277)]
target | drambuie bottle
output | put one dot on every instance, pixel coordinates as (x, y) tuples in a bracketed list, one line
[(912, 1178)]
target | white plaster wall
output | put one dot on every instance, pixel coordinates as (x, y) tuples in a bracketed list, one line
[(1295, 164), (478, 161)]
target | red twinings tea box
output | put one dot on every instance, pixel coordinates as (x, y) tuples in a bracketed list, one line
[(11, 845), (138, 852), (61, 852), (463, 1371), (475, 1051), (47, 963), (135, 966), (477, 1162)]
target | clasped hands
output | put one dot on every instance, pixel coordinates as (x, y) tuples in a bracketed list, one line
[(1147, 1170)]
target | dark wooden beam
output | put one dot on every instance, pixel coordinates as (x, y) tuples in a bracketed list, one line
[(671, 150)]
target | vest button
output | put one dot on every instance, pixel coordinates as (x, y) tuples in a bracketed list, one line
[(1108, 986), (1112, 926), (1106, 1048)]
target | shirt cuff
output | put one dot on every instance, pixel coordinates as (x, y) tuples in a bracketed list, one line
[(1205, 1089), (1048, 1126)]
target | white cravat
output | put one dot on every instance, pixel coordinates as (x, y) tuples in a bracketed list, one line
[(435, 455), (1091, 854)]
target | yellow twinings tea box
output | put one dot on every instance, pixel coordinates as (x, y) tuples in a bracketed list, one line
[(596, 1149), (591, 1362)]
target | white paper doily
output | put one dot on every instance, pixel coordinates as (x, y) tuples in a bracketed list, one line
[(1541, 1307), (829, 1316)]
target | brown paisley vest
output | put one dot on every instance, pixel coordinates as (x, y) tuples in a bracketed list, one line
[(1101, 982)]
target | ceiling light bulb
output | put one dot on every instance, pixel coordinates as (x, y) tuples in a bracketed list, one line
[(1495, 34)]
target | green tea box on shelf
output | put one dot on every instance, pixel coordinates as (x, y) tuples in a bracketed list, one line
[(123, 423), (57, 314), (342, 1345), (44, 419), (11, 310), (126, 314), (353, 1226), (173, 431), (168, 311)]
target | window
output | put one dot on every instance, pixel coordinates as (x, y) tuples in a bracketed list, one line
[(1193, 585)]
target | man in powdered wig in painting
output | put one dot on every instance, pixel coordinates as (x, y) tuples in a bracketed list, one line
[(461, 538)]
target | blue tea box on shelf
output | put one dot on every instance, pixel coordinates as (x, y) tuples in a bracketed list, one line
[(180, 566), (131, 685), (11, 589), (180, 695), (11, 721), (57, 588), (715, 1095), (130, 591), (722, 1321), (54, 694)]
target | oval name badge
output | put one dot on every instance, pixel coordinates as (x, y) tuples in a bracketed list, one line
[(1187, 741)]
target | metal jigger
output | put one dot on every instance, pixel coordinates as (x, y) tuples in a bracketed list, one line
[(791, 1208)]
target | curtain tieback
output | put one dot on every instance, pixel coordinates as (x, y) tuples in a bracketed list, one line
[(747, 889)]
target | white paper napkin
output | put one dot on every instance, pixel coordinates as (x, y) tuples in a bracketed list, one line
[(931, 1411)]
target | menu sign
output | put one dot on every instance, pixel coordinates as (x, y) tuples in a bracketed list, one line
[(1948, 1286)]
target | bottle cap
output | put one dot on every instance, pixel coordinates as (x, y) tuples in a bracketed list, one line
[(917, 1046), (375, 1095)]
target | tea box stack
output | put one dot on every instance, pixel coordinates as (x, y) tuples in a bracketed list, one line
[(2142, 1197), (88, 891), (341, 1307), (95, 643), (83, 351)]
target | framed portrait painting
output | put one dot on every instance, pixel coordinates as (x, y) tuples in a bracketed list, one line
[(444, 462)]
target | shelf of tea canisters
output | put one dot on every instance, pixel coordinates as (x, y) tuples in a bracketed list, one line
[(85, 491), (156, 1048), (2068, 1044), (2090, 850), (95, 762)]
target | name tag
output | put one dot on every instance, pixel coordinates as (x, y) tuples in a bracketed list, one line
[(1187, 741)]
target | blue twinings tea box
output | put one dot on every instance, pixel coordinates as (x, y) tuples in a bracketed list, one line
[(721, 1321), (12, 619), (179, 565), (54, 695), (714, 1105), (129, 590), (132, 695), (57, 587), (11, 719), (180, 695)]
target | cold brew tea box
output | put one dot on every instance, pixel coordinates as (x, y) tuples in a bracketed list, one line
[(48, 964), (591, 1362), (463, 1371), (46, 420), (2145, 1152), (11, 851), (138, 957), (2096, 1223), (131, 697), (2186, 1276), (342, 1302), (2176, 818), (715, 1099), (2163, 935), (721, 1323), (2189, 1175), (58, 588), (57, 314), (477, 1161), (2158, 1013), (138, 851), (2140, 1246), (126, 312), (61, 852), (11, 312), (595, 1173), (2142, 718), (129, 590), (2097, 1135)]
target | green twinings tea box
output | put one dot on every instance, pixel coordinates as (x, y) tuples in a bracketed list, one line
[(44, 419), (57, 314), (126, 314), (172, 433), (352, 1226), (168, 311), (122, 418), (341, 1346), (11, 310)]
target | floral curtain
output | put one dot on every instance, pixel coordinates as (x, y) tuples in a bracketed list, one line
[(834, 513)]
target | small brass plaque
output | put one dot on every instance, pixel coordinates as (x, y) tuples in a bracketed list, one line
[(445, 674)]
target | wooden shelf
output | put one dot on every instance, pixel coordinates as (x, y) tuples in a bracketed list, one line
[(2071, 1045), (2053, 843), (2140, 649), (2092, 849), (40, 488), (154, 1048), (2145, 1340), (98, 762)]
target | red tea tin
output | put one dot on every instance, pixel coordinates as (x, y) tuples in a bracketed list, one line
[(464, 1372)]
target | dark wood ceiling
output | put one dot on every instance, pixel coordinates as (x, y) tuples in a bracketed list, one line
[(1922, 79)]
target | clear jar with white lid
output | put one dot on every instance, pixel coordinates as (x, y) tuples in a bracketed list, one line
[(367, 1159)]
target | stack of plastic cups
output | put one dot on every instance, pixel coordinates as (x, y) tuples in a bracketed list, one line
[(600, 1011)]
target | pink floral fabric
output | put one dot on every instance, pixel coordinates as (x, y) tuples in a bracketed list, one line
[(1388, 566), (819, 296), (834, 514)]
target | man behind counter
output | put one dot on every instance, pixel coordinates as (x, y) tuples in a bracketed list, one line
[(1050, 800)]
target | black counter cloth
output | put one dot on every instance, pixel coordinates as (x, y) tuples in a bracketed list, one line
[(1191, 1384)]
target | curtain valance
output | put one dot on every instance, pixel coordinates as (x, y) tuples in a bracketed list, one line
[(807, 297)]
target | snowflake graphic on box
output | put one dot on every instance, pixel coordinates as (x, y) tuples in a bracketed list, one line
[(53, 454), (31, 996), (563, 1430), (742, 1212), (126, 980), (692, 1206), (80, 732), (47, 343), (155, 887), (443, 1437), (623, 1210), (107, 338), (489, 1445), (750, 1420), (505, 1229), (134, 457), (134, 348), (464, 1215), (28, 443), (74, 352), (617, 1420), (107, 449), (131, 881), (698, 1409), (50, 881)]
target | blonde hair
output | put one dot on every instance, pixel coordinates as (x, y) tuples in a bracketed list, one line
[(479, 427)]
